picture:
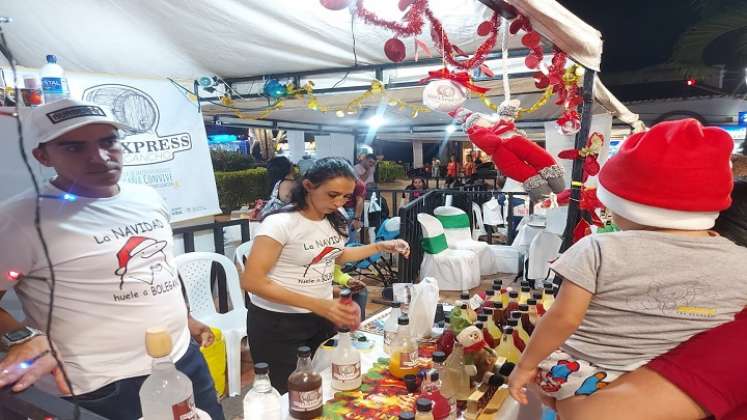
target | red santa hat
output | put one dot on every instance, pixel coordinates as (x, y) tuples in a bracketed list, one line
[(677, 175), (132, 247)]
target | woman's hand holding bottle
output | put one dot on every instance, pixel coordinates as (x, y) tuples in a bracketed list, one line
[(341, 313)]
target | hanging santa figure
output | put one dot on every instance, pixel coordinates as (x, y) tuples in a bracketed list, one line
[(513, 153)]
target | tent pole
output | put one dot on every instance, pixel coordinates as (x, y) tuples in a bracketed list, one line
[(574, 213)]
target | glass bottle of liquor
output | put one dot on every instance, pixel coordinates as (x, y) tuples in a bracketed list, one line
[(305, 388)]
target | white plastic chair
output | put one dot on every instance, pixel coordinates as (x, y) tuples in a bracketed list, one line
[(242, 252), (478, 227), (458, 236), (453, 269), (544, 249), (194, 270)]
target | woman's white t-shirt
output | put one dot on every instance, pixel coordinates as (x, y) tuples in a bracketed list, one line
[(307, 261)]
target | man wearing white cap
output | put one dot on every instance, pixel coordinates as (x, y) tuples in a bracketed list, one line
[(110, 245)]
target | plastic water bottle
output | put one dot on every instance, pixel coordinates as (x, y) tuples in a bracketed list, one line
[(167, 393), (54, 82), (262, 401)]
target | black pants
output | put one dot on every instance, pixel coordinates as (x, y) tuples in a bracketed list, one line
[(274, 338), (121, 400)]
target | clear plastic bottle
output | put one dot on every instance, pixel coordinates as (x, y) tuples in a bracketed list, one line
[(548, 298), (305, 389), (390, 327), (262, 400), (54, 82), (493, 329), (525, 294), (167, 393), (431, 389), (439, 360), (346, 363), (456, 382), (404, 357), (507, 348), (519, 327)]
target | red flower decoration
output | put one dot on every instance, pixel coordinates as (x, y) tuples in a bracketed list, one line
[(395, 50)]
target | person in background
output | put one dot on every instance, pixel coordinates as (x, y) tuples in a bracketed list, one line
[(418, 187), (113, 261), (305, 163), (452, 171), (281, 175), (469, 167), (290, 269), (365, 169), (354, 210), (436, 167)]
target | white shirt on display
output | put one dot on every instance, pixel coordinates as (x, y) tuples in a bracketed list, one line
[(115, 277)]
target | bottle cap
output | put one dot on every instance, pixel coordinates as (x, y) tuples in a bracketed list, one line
[(464, 306), (523, 307), (157, 342), (537, 295), (434, 375), (515, 315), (51, 58), (403, 320), (464, 296), (531, 302), (513, 322), (346, 294), (261, 368), (343, 330), (304, 351), (395, 304), (424, 404), (439, 356), (526, 289), (490, 292), (406, 416), (482, 318), (487, 311), (524, 283), (498, 283), (513, 294), (498, 305), (362, 339), (508, 329), (479, 325), (496, 380), (506, 369)]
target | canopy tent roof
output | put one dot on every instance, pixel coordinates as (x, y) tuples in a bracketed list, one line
[(187, 39)]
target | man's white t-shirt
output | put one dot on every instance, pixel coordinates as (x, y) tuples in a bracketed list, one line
[(307, 261), (115, 277), (360, 170)]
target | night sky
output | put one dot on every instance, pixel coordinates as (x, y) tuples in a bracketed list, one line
[(636, 33)]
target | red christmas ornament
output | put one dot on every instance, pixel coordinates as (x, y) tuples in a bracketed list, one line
[(540, 80), (395, 50), (335, 4), (531, 40), (404, 4), (532, 61), (485, 28)]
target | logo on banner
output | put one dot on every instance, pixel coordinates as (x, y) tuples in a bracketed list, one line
[(143, 144)]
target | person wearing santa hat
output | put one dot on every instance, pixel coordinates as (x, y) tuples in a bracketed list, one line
[(630, 296), (110, 249)]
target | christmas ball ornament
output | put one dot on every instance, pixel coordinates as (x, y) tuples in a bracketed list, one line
[(404, 4), (444, 95), (485, 28), (335, 4), (540, 80), (274, 89), (395, 50), (532, 61), (530, 39)]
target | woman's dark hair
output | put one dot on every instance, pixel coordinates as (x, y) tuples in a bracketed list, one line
[(277, 169), (322, 171), (732, 222), (422, 179)]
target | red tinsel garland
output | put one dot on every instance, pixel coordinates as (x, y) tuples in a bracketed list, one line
[(413, 17), (448, 48)]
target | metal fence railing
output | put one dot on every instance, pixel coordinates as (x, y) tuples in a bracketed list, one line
[(411, 232), (34, 403)]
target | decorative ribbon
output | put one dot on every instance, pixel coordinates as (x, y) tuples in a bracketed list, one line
[(456, 221), (434, 245), (461, 78)]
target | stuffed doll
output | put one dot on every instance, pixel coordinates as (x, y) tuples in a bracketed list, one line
[(476, 352), (513, 153)]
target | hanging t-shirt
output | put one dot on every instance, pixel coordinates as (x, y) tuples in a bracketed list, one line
[(307, 261), (115, 277)]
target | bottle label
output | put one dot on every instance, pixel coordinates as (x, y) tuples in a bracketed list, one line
[(475, 302), (52, 85), (305, 400), (408, 360), (349, 372), (185, 410)]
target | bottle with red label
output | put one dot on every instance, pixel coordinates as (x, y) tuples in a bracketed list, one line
[(346, 297), (431, 389), (167, 393), (305, 388), (446, 341), (346, 363), (404, 357)]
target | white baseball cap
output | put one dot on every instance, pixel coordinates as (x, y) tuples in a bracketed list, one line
[(49, 121)]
